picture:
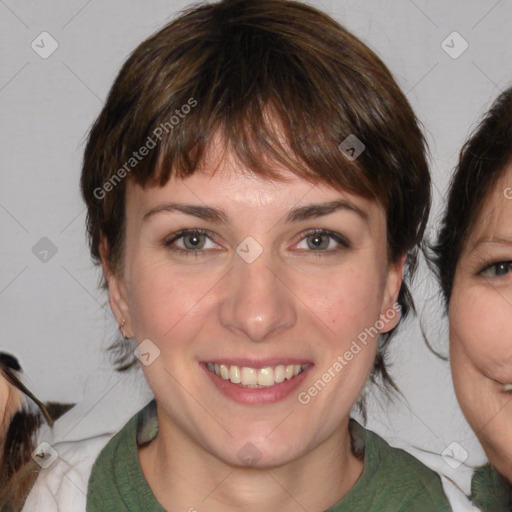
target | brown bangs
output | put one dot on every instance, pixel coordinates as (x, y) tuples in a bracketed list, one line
[(245, 78)]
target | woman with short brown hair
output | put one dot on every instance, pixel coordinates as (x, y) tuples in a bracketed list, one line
[(256, 187)]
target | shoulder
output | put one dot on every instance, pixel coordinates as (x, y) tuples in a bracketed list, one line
[(116, 479), (63, 484), (398, 464), (490, 491), (78, 439), (395, 476), (118, 447), (72, 445), (140, 428)]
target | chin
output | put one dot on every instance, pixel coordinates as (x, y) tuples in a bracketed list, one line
[(255, 452)]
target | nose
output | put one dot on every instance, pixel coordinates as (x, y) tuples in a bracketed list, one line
[(257, 300)]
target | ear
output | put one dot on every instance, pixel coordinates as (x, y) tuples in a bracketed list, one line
[(390, 312), (117, 296)]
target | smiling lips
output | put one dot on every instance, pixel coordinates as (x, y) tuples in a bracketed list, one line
[(256, 378)]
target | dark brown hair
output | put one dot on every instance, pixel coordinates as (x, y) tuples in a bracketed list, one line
[(233, 67), (483, 159)]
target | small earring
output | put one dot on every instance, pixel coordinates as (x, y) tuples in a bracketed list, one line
[(121, 329)]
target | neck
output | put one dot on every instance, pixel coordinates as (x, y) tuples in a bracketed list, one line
[(184, 476)]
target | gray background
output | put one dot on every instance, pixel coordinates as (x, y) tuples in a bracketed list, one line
[(53, 316)]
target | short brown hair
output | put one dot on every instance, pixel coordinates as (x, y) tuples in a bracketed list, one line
[(232, 62), (483, 160)]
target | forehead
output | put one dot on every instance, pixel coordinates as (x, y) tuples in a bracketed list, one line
[(222, 179), (223, 182), (495, 218)]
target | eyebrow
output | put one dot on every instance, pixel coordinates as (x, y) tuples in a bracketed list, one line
[(493, 240), (219, 216)]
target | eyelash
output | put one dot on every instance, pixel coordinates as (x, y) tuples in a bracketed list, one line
[(341, 240), (495, 265), (181, 234)]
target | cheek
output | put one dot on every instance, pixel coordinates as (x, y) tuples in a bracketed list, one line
[(481, 328), (347, 301), (163, 300)]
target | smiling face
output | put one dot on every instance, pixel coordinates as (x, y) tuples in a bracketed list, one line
[(481, 326), (291, 298)]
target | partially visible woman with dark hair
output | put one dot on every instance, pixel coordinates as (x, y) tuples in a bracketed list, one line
[(21, 416), (473, 259)]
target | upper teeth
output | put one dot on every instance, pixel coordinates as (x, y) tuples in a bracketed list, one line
[(253, 377)]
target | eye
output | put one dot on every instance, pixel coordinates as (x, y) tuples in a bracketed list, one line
[(190, 241), (320, 240), (498, 269)]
